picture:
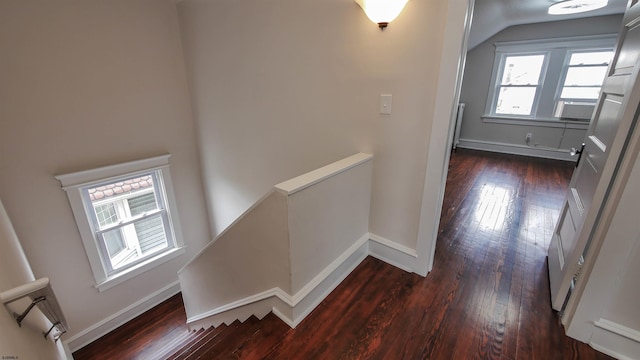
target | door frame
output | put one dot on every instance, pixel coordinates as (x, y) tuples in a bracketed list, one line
[(452, 62)]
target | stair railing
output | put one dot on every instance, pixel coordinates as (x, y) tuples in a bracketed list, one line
[(42, 296)]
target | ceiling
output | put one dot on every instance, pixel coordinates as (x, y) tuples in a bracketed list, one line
[(492, 16)]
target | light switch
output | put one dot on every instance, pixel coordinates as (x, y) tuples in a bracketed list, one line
[(385, 104)]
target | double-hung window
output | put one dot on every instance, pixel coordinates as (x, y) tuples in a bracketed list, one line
[(534, 80), (584, 74), (520, 83), (126, 217)]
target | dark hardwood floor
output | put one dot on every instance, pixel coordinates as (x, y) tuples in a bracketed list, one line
[(486, 298)]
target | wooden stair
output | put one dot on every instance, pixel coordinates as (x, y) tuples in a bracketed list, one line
[(226, 341)]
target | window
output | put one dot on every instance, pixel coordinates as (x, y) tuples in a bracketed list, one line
[(533, 80), (126, 217), (584, 75), (520, 84)]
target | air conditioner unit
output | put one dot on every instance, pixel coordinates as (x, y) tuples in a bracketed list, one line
[(572, 110)]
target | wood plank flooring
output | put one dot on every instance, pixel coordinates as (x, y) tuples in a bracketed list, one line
[(486, 298)]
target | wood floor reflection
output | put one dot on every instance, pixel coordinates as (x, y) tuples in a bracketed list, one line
[(486, 298)]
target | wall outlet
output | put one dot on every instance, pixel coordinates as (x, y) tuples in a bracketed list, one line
[(527, 139)]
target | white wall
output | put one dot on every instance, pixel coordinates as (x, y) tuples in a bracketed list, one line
[(477, 77), (84, 84), (284, 86)]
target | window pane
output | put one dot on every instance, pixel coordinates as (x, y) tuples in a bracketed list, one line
[(586, 93), (522, 70), (585, 76), (591, 58), (114, 242), (151, 235), (515, 100), (117, 251), (143, 203), (106, 214)]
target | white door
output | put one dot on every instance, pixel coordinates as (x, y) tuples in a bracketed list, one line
[(610, 129)]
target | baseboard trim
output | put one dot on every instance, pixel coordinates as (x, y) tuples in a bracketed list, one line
[(392, 253), (308, 298), (292, 309), (515, 149), (103, 327), (304, 301), (615, 339)]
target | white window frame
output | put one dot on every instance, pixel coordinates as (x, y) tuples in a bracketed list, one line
[(498, 73), (557, 49), (565, 70), (74, 183)]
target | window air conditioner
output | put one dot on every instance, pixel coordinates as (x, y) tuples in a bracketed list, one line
[(571, 110)]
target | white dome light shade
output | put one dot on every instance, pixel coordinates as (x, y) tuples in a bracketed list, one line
[(575, 6), (382, 12)]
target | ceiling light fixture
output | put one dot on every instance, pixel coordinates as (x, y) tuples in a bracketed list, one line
[(382, 12), (575, 6)]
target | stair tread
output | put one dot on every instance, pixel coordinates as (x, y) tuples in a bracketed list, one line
[(196, 342), (210, 342), (176, 344), (233, 339), (271, 331)]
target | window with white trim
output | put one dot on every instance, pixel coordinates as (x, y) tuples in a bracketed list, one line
[(126, 216), (535, 79), (584, 74), (520, 83)]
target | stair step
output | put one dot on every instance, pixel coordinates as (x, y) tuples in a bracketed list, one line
[(269, 334), (231, 340), (196, 342), (209, 341), (176, 344)]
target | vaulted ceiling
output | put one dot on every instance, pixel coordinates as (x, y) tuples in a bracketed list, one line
[(492, 16)]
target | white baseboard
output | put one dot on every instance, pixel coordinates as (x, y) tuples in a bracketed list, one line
[(615, 340), (516, 149), (112, 322), (292, 309), (392, 253), (308, 299)]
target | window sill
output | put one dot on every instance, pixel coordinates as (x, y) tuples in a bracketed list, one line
[(139, 269), (543, 122)]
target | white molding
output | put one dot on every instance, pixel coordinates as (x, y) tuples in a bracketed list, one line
[(539, 122), (392, 253), (116, 320), (140, 268), (515, 149), (616, 328), (309, 296), (307, 302), (299, 305), (615, 340), (273, 292), (573, 42), (303, 181), (86, 177), (337, 263)]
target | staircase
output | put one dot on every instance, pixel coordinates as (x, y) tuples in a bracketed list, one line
[(251, 339)]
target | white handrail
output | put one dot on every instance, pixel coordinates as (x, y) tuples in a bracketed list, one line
[(42, 296)]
